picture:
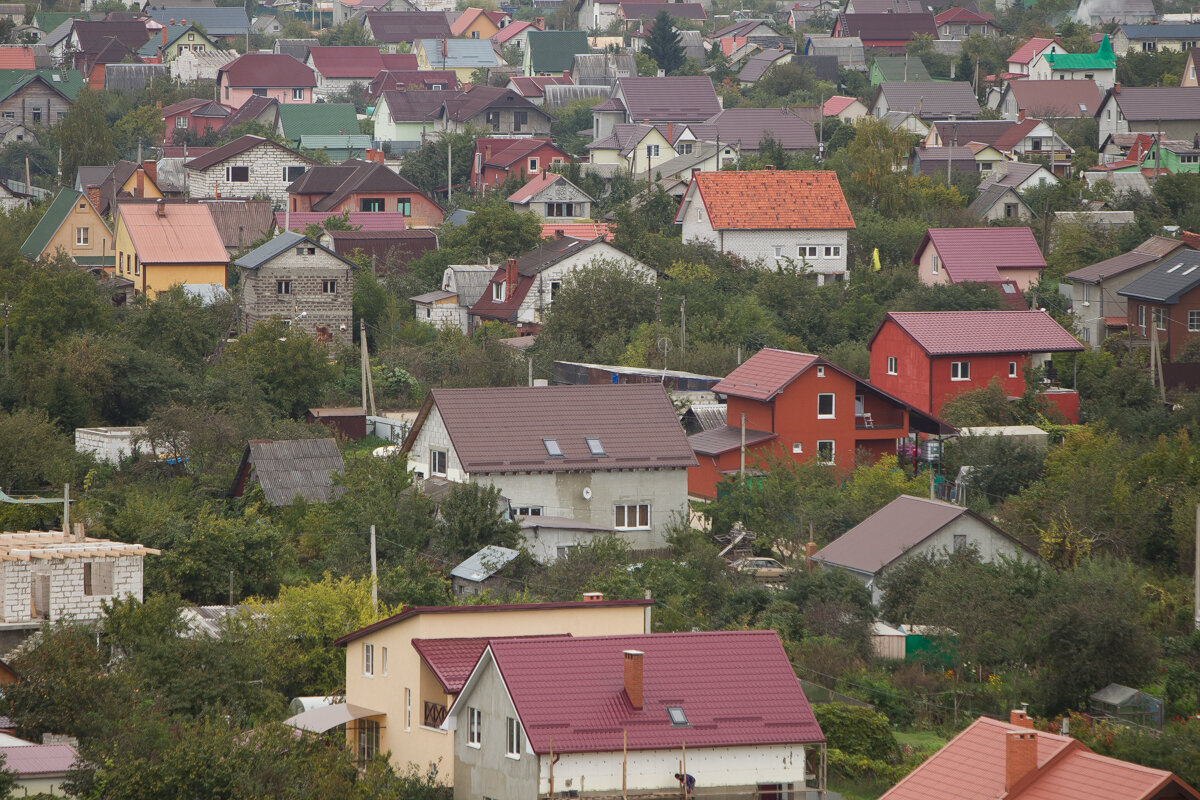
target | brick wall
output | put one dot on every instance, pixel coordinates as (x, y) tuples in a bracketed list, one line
[(260, 298), (67, 598), (267, 177)]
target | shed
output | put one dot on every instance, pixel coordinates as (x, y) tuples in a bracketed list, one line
[(111, 444), (289, 469), (348, 423), (1128, 705), (481, 571), (887, 642), (1026, 433)]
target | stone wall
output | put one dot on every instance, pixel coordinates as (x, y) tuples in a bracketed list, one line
[(331, 312), (268, 177)]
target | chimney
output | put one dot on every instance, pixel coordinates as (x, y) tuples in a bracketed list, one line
[(1019, 716), (566, 74), (160, 208), (151, 168), (445, 48), (1020, 756), (593, 597), (510, 275), (810, 550), (539, 23), (1116, 88), (164, 32), (558, 233), (769, 167), (140, 190), (1020, 115), (633, 677), (671, 132), (487, 152)]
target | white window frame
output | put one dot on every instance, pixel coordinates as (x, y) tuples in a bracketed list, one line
[(1193, 321), (297, 94), (960, 370), (407, 708), (806, 251), (1012, 369), (832, 451), (832, 405), (498, 292), (474, 727), (533, 165), (624, 509), (368, 657), (651, 151), (181, 122), (83, 236), (383, 660), (934, 263), (833, 251), (893, 366), (1142, 317), (434, 452), (512, 739), (1159, 318), (229, 168)]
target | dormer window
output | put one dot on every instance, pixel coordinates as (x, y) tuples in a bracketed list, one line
[(678, 718), (595, 447), (498, 292), (552, 448)]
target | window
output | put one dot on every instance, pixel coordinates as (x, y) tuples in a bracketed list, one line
[(260, 92), (960, 370), (474, 727), (474, 34), (892, 366), (437, 462), (683, 148), (1142, 317), (283, 287), (383, 659), (371, 204), (520, 120), (37, 115), (552, 448), (563, 550), (677, 716), (492, 118), (191, 37), (329, 286), (528, 511), (404, 206), (292, 173), (934, 262), (805, 251), (1012, 369), (797, 448), (825, 406), (181, 122), (237, 174), (369, 660), (1160, 320), (368, 739), (826, 449), (560, 209), (630, 517), (778, 253), (82, 237), (1035, 144), (306, 251), (97, 578), (137, 265), (512, 746), (498, 292), (226, 92), (10, 115), (1149, 47), (555, 288), (1010, 210), (1189, 159), (833, 251), (651, 151), (407, 709), (595, 446), (533, 165), (1193, 321), (960, 541)]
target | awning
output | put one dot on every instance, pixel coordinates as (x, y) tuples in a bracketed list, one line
[(325, 718)]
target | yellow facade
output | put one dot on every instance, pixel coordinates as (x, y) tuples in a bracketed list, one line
[(83, 234), (150, 279), (402, 684), (644, 155), (481, 28), (148, 187)]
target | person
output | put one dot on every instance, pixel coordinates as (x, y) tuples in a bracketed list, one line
[(688, 781)]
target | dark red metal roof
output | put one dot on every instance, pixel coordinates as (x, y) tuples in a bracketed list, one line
[(452, 660), (948, 333)]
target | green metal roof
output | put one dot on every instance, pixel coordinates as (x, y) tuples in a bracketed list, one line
[(68, 82), (1103, 58), (49, 224), (320, 119), (555, 51), (899, 68), (49, 20)]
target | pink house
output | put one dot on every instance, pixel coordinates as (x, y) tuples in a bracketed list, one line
[(273, 75), (1002, 257)]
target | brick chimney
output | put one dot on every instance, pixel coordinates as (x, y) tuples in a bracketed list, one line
[(1020, 115), (1019, 716), (151, 168), (1020, 756), (140, 190), (810, 550), (539, 23), (93, 193), (593, 597), (671, 132), (633, 677), (164, 33), (160, 208), (1116, 88), (511, 276)]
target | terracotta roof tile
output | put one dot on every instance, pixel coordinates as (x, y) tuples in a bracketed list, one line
[(578, 230), (774, 200), (944, 333)]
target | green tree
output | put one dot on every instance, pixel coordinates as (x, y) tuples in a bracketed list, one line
[(473, 517), (497, 230), (664, 44), (85, 135), (288, 365), (140, 126)]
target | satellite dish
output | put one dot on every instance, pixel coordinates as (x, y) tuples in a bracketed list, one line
[(587, 493)]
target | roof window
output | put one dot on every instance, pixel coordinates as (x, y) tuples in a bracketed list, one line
[(1189, 270), (595, 447), (1172, 269), (552, 448), (1009, 288), (678, 718)]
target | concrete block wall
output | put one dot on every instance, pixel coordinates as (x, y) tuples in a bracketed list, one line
[(66, 587), (267, 177), (260, 299)]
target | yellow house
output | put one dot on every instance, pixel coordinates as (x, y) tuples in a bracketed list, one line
[(161, 244), (403, 673), (987, 158), (475, 23), (73, 225), (634, 148)]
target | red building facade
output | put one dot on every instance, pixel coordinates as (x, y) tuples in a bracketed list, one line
[(497, 159)]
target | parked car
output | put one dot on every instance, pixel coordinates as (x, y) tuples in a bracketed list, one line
[(759, 567)]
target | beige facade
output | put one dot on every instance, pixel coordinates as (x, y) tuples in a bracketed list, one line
[(413, 703)]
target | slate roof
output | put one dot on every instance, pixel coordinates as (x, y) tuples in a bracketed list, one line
[(292, 468), (884, 536), (774, 200), (952, 333), (408, 26), (1148, 103), (976, 254), (317, 119), (624, 137), (555, 51), (217, 21), (186, 234), (671, 99), (267, 70), (460, 53), (51, 221), (1015, 173), (887, 27), (760, 62), (1175, 276), (484, 564), (285, 241), (902, 69), (451, 660), (933, 99), (636, 425), (1161, 31), (296, 48), (825, 67), (737, 688), (708, 415), (715, 441), (1056, 99), (1147, 252)]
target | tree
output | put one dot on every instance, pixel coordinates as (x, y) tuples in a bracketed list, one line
[(665, 45), (473, 518), (85, 135), (497, 230), (426, 167), (289, 366)]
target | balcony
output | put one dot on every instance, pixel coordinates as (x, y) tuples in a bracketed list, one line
[(434, 716), (886, 420)]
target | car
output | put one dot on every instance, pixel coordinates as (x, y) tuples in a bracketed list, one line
[(760, 567)]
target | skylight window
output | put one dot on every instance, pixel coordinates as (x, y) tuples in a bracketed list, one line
[(1082, 107), (1189, 270), (1172, 269), (678, 718), (552, 448), (595, 447), (1009, 288)]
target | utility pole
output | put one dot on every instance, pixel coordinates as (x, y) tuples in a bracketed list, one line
[(365, 365), (374, 576), (449, 169), (682, 330), (1196, 583), (7, 368), (742, 467), (530, 360)]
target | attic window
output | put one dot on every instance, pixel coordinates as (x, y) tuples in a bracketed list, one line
[(1189, 270), (678, 718), (1172, 269), (595, 447), (552, 448), (1010, 289), (1082, 107)]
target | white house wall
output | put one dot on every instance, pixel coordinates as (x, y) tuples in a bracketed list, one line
[(66, 586), (433, 435), (267, 178), (537, 300)]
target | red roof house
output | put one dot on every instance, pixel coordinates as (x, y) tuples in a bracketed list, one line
[(399, 79), (995, 256), (362, 186), (1024, 56), (892, 31), (497, 159), (1012, 761), (927, 358), (798, 405), (274, 75), (590, 705), (194, 117)]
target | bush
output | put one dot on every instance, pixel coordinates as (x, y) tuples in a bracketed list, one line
[(858, 731)]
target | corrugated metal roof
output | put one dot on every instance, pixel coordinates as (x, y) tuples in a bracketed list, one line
[(672, 99), (1056, 99), (725, 439), (452, 660), (216, 21), (976, 254), (484, 564), (945, 333), (884, 536), (555, 51), (932, 100), (460, 53), (709, 415), (736, 688), (33, 760), (765, 374), (296, 468), (184, 234), (1153, 103), (268, 70), (323, 119)]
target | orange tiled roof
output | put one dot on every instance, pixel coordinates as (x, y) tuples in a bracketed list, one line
[(577, 230), (774, 200), (185, 234)]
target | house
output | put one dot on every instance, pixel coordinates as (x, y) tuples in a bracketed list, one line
[(1173, 156), (800, 405), (40, 98), (337, 68), (553, 52), (39, 769), (401, 79), (888, 31), (516, 34), (481, 572), (911, 527), (72, 225), (498, 159), (999, 202), (529, 703), (363, 186), (192, 119), (1049, 100), (475, 23), (681, 99), (242, 222), (524, 288), (386, 221), (257, 109), (961, 23), (898, 69), (771, 217), (609, 455), (404, 672), (493, 110), (533, 88), (1020, 176), (277, 76), (248, 166), (389, 251), (757, 65), (1153, 38), (161, 244), (803, 10), (938, 162), (1021, 61), (405, 119), (927, 358), (928, 101), (298, 280), (638, 15), (1189, 68), (631, 149), (993, 758), (289, 469), (552, 197), (175, 39), (1100, 66), (1093, 290), (93, 43), (296, 122), (1024, 138), (747, 128), (47, 576), (190, 66), (450, 306), (392, 28), (846, 109), (219, 22), (1164, 302), (123, 180), (1172, 112), (997, 256), (462, 56), (847, 49)]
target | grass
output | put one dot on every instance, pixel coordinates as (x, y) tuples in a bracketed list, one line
[(921, 744), (921, 741)]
